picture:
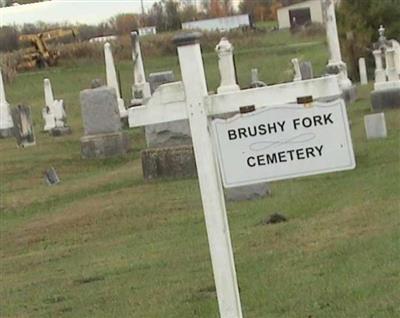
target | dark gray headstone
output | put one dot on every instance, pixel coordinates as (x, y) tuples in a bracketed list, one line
[(100, 114), (306, 70), (157, 79), (51, 177), (170, 134), (23, 127), (385, 99)]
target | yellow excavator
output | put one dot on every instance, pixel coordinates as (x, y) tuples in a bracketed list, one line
[(39, 54)]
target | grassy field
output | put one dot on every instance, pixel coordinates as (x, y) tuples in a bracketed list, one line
[(105, 243)]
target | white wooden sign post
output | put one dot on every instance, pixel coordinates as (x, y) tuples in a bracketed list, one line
[(189, 99)]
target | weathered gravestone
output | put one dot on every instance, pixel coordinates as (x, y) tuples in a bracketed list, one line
[(170, 152), (140, 88), (54, 113), (6, 122), (363, 71), (51, 177), (375, 126), (306, 70), (296, 69), (23, 127), (102, 125), (329, 145), (254, 79), (302, 70), (171, 134)]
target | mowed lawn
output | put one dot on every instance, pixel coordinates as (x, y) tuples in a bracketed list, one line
[(105, 243)]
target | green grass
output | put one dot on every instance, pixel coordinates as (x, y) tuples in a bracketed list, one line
[(105, 243)]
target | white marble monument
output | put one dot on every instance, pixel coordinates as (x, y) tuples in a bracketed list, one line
[(112, 79), (53, 112), (335, 63), (226, 66), (141, 88), (6, 121), (386, 92), (363, 71), (296, 69)]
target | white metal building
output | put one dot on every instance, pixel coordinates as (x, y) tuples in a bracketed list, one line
[(300, 14), (223, 23), (147, 30)]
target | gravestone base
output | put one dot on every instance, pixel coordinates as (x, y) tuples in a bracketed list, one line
[(103, 146), (60, 131), (171, 162), (350, 94), (248, 192), (385, 99), (6, 133)]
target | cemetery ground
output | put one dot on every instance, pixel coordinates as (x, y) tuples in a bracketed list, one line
[(105, 243)]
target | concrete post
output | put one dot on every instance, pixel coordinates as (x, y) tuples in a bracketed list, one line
[(226, 67), (112, 79)]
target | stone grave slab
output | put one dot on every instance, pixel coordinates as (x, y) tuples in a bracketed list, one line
[(101, 120), (375, 126), (23, 127)]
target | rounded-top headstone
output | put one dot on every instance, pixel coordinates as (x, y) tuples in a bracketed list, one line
[(187, 38)]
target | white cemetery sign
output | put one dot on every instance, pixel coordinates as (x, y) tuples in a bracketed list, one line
[(189, 99), (283, 142)]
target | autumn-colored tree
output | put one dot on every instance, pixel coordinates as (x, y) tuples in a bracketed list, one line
[(215, 9), (125, 23)]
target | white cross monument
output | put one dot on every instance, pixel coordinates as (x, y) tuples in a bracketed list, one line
[(6, 122), (189, 99)]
